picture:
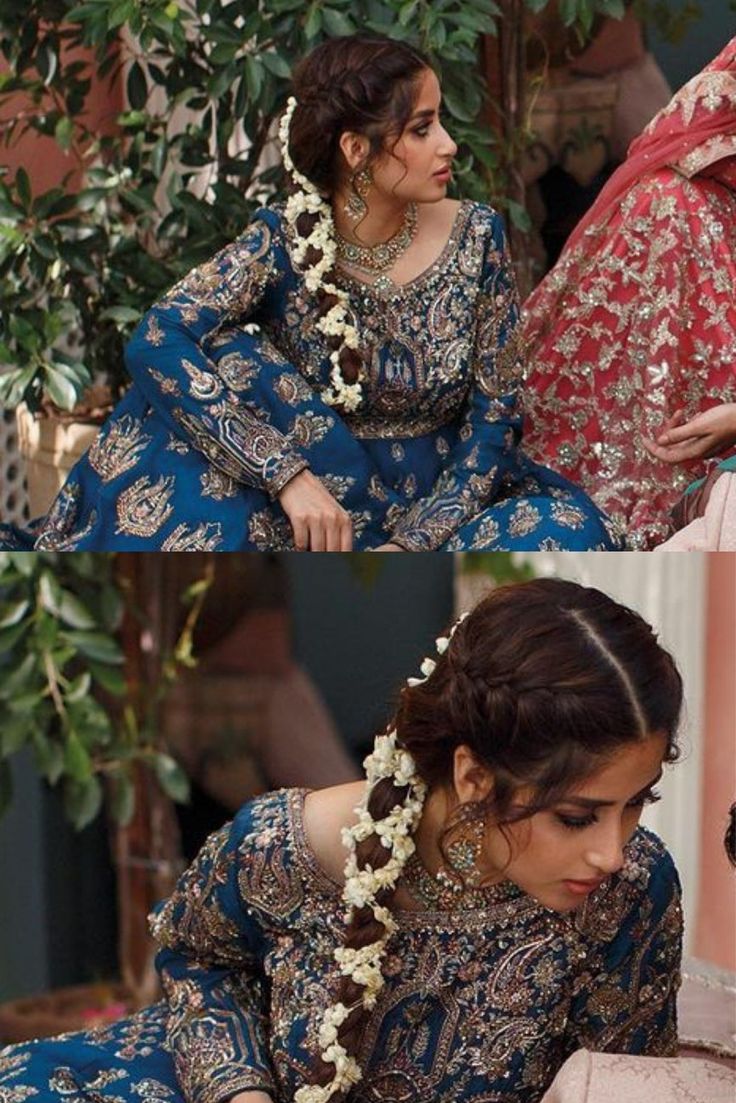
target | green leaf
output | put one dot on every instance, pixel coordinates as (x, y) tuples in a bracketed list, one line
[(15, 731), (49, 592), (49, 757), (171, 777), (82, 801), (13, 613), (95, 645), (64, 132), (110, 678), (10, 636), (74, 612), (79, 687), (122, 799), (6, 787), (336, 23), (77, 762), (23, 184), (47, 62), (24, 562), (519, 215), (313, 22), (253, 77), (137, 87), (277, 65), (122, 314), (17, 680)]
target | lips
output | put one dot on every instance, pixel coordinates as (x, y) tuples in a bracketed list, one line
[(445, 173), (582, 888)]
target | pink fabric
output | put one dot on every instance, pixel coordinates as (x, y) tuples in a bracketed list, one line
[(716, 529), (607, 1077), (690, 121), (638, 317)]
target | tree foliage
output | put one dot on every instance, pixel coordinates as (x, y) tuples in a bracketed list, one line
[(64, 693)]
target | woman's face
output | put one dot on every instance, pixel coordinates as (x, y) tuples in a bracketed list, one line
[(560, 855), (417, 168)]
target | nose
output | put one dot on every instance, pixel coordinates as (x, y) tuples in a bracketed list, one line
[(447, 147), (606, 850)]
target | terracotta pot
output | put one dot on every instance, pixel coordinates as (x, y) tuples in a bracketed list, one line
[(78, 1008), (50, 448)]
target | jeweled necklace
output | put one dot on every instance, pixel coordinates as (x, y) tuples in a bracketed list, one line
[(441, 892), (379, 258)]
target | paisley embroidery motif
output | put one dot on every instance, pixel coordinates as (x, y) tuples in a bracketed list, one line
[(118, 449), (144, 507)]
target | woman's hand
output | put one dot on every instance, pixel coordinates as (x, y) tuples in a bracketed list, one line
[(388, 547), (318, 522), (250, 1097), (705, 436)]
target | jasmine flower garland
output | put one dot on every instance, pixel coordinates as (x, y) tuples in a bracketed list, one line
[(334, 323), (395, 830)]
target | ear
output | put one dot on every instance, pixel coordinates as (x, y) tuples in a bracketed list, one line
[(471, 779), (354, 148)]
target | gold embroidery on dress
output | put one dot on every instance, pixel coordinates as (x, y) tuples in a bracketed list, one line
[(207, 536), (144, 507), (119, 449), (203, 385)]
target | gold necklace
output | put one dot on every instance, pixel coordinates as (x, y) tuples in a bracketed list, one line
[(379, 258), (444, 891)]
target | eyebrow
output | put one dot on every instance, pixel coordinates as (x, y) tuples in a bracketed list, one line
[(428, 113), (590, 802)]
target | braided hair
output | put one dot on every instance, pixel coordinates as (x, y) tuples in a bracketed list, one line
[(544, 681), (364, 83)]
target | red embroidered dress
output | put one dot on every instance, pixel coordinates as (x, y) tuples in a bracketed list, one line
[(638, 317)]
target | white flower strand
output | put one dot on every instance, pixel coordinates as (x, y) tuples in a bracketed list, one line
[(322, 237), (395, 831)]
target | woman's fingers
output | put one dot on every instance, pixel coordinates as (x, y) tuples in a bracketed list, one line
[(301, 534), (346, 534)]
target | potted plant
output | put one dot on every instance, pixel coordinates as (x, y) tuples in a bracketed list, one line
[(84, 671)]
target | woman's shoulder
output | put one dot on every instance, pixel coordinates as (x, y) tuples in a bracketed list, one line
[(643, 897), (290, 847), (326, 812)]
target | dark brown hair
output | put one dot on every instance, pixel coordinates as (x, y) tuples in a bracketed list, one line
[(365, 83), (544, 681)]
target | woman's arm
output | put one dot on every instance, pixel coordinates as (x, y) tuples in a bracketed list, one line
[(168, 359), (491, 427), (211, 950)]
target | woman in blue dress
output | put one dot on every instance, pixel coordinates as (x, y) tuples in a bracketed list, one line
[(504, 908), (343, 375)]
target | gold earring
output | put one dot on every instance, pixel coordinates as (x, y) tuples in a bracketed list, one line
[(463, 855), (360, 184)]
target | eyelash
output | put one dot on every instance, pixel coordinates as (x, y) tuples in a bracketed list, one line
[(422, 131), (573, 823)]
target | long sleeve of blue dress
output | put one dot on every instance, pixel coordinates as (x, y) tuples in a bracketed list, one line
[(485, 454), (626, 992), (168, 359), (205, 361), (210, 964)]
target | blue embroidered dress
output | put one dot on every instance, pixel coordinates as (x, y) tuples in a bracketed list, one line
[(478, 1006), (225, 408)]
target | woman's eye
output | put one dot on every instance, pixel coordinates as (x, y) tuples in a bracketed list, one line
[(576, 823), (422, 131), (646, 798)]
